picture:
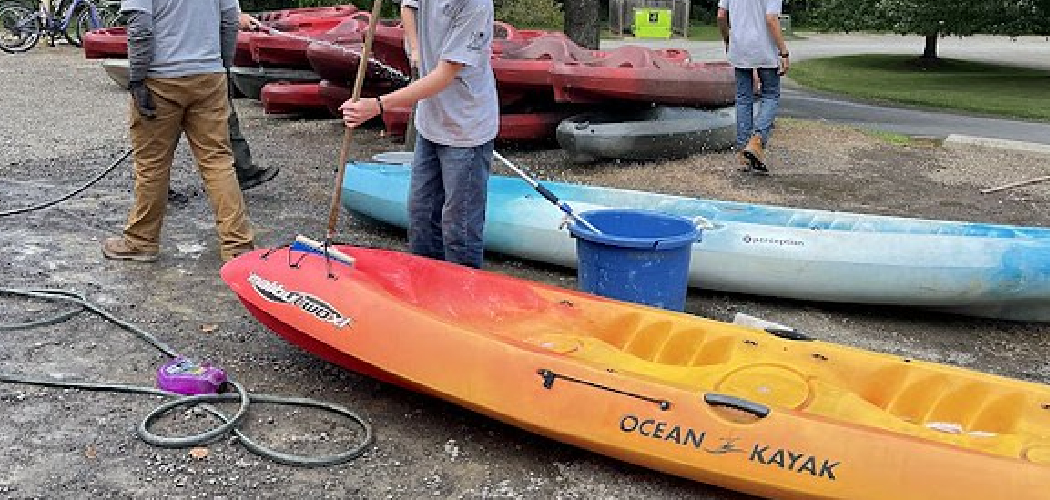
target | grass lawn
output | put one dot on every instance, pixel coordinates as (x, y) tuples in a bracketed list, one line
[(947, 83)]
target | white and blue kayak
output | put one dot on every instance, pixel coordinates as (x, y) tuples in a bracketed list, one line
[(987, 270)]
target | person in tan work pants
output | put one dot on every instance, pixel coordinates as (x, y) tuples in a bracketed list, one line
[(178, 55), (198, 106)]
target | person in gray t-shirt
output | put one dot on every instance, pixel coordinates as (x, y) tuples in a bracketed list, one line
[(456, 120), (754, 46)]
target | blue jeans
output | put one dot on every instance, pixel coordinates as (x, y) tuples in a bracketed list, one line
[(446, 201), (747, 124)]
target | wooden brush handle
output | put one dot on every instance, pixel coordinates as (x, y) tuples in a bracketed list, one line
[(344, 151)]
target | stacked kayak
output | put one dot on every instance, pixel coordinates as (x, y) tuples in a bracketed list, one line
[(528, 68), (638, 74), (284, 98), (987, 270), (112, 43), (649, 133), (335, 59), (106, 43), (521, 127), (307, 13), (287, 49), (249, 81), (776, 415)]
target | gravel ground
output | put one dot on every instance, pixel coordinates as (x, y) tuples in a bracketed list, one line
[(64, 121)]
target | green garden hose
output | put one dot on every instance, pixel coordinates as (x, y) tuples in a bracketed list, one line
[(229, 424)]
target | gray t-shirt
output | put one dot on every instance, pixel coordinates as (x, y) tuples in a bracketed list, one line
[(751, 45), (185, 35), (466, 113)]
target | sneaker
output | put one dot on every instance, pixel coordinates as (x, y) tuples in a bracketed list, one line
[(257, 177), (745, 164), (755, 155), (119, 249)]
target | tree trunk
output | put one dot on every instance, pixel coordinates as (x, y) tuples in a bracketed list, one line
[(582, 22), (930, 52)]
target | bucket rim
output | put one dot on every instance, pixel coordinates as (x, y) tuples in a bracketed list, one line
[(654, 243)]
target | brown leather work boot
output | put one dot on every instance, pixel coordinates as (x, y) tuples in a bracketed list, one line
[(755, 155), (119, 249), (228, 256)]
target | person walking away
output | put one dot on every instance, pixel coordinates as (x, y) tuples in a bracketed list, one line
[(457, 119), (754, 46), (249, 175), (178, 53)]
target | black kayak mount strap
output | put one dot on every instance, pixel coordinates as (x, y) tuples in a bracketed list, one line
[(549, 377)]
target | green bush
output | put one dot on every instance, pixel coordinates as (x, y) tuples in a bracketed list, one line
[(545, 14)]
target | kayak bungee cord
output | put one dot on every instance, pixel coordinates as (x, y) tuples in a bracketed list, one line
[(191, 384), (75, 192)]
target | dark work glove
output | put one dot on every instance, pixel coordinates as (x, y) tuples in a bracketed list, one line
[(143, 99)]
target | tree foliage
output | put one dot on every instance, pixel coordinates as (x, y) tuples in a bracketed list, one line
[(935, 18), (530, 13)]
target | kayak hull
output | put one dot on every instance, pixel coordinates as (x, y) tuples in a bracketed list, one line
[(709, 401), (249, 81), (651, 133), (976, 269)]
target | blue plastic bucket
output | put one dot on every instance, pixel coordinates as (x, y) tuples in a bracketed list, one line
[(641, 256)]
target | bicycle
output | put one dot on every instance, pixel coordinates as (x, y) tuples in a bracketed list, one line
[(21, 27)]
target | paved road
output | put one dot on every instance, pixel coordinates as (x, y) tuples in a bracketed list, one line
[(801, 103), (1031, 52)]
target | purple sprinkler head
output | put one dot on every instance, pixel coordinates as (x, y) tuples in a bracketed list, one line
[(185, 376)]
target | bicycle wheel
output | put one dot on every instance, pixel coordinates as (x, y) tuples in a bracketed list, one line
[(19, 28), (80, 23)]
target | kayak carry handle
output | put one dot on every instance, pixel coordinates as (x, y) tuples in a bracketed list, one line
[(757, 409), (546, 193), (789, 334)]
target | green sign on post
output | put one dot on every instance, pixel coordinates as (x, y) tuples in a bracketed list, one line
[(652, 23)]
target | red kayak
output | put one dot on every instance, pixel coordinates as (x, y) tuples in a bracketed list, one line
[(106, 43), (336, 60), (390, 40), (335, 95), (529, 67), (293, 98), (512, 126), (331, 11), (281, 51), (639, 74), (527, 70), (770, 413), (112, 43)]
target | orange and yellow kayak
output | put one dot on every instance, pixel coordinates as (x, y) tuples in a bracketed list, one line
[(771, 414)]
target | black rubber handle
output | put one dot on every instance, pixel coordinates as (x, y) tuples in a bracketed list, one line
[(547, 194), (789, 334), (757, 409)]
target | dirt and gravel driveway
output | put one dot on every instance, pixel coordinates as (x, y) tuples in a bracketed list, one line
[(63, 121)]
